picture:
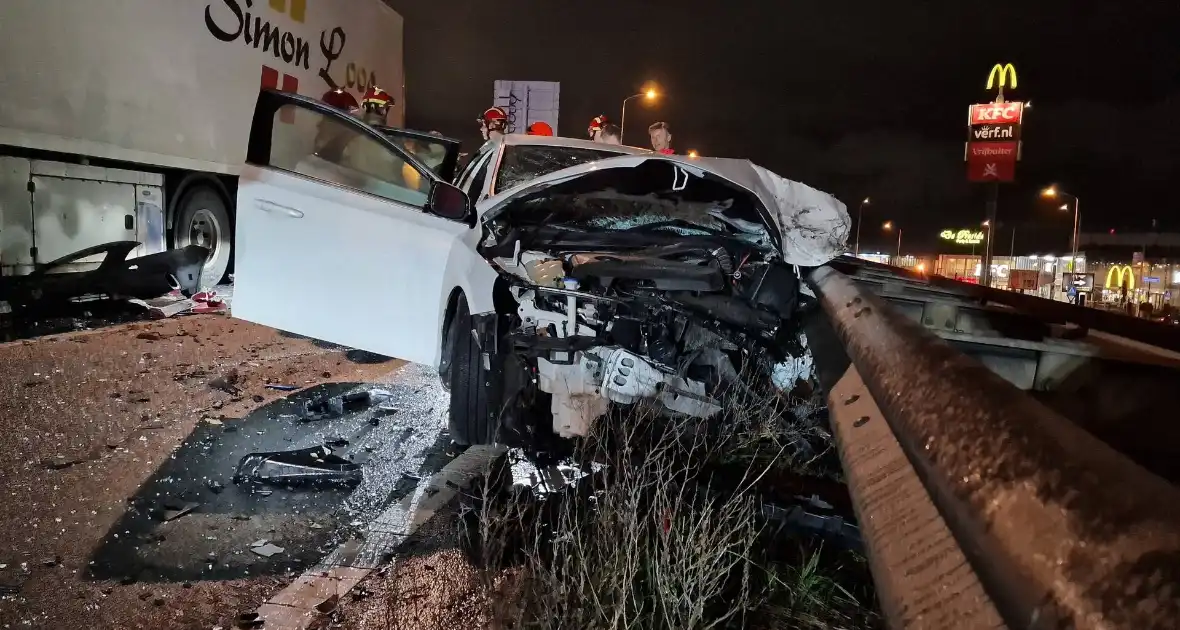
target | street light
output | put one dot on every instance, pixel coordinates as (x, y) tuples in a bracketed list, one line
[(987, 245), (1053, 192), (650, 94), (887, 226), (693, 154), (859, 216)]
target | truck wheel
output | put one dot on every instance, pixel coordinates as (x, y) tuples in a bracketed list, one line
[(473, 389), (203, 219)]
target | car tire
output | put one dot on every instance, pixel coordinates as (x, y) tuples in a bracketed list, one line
[(202, 218), (448, 350), (473, 408)]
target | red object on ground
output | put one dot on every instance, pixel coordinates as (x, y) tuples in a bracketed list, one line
[(207, 302)]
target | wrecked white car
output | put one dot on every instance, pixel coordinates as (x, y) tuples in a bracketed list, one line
[(633, 278)]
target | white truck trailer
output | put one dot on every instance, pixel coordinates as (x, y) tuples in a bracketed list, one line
[(127, 120)]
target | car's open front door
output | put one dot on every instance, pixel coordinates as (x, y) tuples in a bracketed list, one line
[(334, 240)]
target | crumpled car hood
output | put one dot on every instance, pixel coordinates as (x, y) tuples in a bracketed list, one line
[(813, 224)]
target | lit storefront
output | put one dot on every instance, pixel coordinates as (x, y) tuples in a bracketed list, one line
[(1049, 270), (1131, 281)]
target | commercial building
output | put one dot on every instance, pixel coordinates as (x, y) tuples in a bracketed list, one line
[(1111, 270)]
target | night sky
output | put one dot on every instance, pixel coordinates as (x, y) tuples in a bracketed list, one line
[(856, 98)]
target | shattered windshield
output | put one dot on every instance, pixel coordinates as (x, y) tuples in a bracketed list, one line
[(525, 162), (614, 211)]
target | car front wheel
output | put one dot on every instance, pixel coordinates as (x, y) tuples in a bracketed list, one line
[(474, 409)]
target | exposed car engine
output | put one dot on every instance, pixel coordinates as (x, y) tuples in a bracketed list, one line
[(672, 324)]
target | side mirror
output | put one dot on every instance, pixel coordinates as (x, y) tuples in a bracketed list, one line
[(449, 202)]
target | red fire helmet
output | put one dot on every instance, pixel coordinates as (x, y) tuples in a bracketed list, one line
[(376, 98), (539, 128), (340, 99), (494, 117)]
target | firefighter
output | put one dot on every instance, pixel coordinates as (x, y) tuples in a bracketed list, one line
[(596, 125), (373, 160), (493, 123), (331, 137), (610, 134), (661, 138), (539, 128), (375, 106)]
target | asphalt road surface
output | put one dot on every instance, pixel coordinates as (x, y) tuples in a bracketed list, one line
[(120, 447)]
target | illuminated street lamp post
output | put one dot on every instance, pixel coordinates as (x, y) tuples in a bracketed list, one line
[(987, 245), (649, 94), (887, 226), (859, 216), (1053, 192)]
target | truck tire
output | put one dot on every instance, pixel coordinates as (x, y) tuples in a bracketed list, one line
[(202, 218), (473, 389)]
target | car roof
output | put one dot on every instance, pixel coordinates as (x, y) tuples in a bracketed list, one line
[(558, 141)]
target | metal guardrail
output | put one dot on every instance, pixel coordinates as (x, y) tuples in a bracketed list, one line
[(1060, 530), (1154, 333)]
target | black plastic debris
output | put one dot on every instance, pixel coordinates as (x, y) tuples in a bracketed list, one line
[(175, 511), (329, 407), (313, 467), (329, 605), (282, 388), (250, 620)]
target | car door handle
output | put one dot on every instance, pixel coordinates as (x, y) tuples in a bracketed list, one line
[(270, 206)]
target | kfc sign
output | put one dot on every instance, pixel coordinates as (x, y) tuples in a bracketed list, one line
[(996, 113)]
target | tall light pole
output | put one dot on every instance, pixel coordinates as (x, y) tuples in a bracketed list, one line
[(650, 94), (859, 216), (987, 225), (887, 226), (1053, 192)]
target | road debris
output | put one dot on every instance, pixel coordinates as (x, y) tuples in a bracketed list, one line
[(335, 406), (267, 549), (310, 467), (282, 388), (249, 620), (328, 606), (227, 382), (61, 462), (173, 512)]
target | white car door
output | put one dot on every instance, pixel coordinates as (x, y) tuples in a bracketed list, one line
[(334, 240)]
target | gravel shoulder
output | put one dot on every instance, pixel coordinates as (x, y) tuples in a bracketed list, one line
[(88, 417)]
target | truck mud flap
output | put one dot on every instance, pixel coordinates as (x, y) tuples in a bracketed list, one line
[(117, 277)]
